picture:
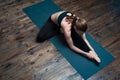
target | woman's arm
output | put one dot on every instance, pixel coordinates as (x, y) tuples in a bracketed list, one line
[(85, 39), (92, 49), (92, 52)]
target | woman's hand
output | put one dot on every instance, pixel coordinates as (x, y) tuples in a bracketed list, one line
[(92, 55), (89, 55), (95, 56)]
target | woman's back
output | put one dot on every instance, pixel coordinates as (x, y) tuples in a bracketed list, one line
[(54, 17)]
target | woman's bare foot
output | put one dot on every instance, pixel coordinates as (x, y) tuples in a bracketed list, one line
[(97, 59), (95, 56)]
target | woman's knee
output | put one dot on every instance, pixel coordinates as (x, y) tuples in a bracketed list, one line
[(40, 38)]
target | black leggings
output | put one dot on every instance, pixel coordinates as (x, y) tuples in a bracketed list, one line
[(78, 41), (50, 29)]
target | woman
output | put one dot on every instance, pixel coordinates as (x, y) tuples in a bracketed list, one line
[(73, 29)]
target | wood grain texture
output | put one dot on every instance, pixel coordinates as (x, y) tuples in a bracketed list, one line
[(21, 58)]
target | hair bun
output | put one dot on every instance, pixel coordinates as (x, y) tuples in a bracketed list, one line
[(69, 14)]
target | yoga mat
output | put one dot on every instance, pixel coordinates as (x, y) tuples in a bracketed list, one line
[(39, 14)]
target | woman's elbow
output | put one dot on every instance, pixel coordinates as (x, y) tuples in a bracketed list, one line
[(71, 47)]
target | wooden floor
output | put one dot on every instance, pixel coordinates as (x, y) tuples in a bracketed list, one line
[(21, 58)]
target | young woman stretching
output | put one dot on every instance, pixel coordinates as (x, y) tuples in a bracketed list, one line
[(73, 29)]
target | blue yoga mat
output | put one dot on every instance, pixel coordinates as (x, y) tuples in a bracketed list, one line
[(39, 14)]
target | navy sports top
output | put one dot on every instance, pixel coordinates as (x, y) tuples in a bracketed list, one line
[(61, 16)]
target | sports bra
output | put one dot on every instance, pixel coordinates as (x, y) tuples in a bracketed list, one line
[(61, 16)]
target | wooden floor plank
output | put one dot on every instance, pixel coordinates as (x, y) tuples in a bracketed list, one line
[(21, 58)]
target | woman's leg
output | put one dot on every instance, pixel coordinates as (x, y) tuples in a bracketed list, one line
[(95, 56), (79, 42), (49, 30)]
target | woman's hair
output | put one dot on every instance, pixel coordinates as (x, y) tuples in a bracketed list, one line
[(80, 24)]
